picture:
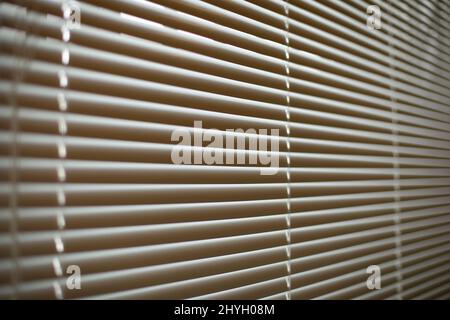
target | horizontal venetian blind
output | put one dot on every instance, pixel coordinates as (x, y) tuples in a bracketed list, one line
[(87, 117)]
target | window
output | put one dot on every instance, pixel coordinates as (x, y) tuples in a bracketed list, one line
[(220, 149)]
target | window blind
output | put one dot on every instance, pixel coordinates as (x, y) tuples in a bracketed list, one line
[(88, 114)]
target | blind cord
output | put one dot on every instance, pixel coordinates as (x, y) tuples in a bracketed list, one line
[(288, 150), (24, 57), (13, 226), (62, 149), (396, 171)]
